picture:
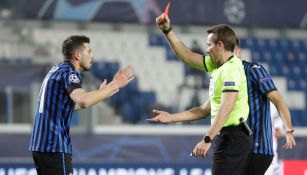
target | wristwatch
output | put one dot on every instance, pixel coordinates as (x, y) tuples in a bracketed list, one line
[(166, 31), (207, 139), (290, 131)]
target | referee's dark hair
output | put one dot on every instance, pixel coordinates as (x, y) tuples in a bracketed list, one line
[(225, 34), (73, 43)]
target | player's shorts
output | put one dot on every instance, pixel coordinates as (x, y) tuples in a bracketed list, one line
[(52, 163), (257, 164)]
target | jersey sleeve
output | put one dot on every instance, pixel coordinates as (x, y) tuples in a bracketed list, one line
[(72, 81), (262, 79), (231, 79), (208, 64)]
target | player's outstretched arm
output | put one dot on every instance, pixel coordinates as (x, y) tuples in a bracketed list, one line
[(196, 113), (103, 84), (84, 99), (193, 59), (284, 113)]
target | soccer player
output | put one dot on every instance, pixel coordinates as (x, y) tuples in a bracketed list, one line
[(274, 168), (261, 89), (61, 93), (228, 100)]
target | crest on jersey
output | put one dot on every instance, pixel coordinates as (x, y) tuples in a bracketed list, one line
[(73, 78), (262, 80), (229, 83)]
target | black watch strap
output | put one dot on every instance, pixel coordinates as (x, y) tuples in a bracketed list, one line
[(207, 139), (166, 31)]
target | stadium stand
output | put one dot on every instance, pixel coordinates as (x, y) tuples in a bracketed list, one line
[(159, 73), (114, 137)]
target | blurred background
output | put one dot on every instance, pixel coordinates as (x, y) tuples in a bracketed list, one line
[(114, 137)]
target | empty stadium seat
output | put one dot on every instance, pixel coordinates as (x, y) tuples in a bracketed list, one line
[(156, 65)]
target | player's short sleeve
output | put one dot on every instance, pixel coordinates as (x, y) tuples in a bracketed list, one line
[(208, 64), (230, 79), (72, 81), (262, 79)]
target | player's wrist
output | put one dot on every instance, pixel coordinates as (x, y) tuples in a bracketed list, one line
[(115, 84), (289, 131)]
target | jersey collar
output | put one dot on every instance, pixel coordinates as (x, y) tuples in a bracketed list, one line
[(230, 58), (70, 64)]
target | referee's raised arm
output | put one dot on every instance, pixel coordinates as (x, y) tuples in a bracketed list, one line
[(185, 54)]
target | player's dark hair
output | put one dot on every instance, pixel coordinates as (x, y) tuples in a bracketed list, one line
[(225, 34), (73, 43)]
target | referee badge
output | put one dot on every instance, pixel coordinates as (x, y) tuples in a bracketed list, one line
[(229, 83), (73, 78)]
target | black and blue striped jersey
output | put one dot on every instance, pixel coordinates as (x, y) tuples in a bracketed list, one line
[(55, 107), (259, 83)]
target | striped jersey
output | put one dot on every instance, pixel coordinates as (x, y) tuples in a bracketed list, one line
[(55, 107), (259, 83)]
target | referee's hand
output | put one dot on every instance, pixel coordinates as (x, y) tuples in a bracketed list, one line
[(162, 117), (201, 149), (163, 22)]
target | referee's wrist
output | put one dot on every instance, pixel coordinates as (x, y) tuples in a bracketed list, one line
[(166, 31)]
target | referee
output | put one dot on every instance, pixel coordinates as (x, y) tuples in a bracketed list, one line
[(61, 93), (261, 90), (228, 99)]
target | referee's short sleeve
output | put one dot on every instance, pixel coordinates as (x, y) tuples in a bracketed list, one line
[(262, 79), (231, 79), (72, 81)]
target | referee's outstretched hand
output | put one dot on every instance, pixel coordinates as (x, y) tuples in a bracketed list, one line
[(163, 22), (162, 117)]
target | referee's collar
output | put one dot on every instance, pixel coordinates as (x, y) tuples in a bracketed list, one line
[(230, 58), (70, 64)]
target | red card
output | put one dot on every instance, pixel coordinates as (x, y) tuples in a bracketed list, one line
[(167, 8)]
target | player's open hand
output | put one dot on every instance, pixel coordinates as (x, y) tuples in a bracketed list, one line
[(129, 72), (103, 84), (163, 22), (290, 141), (162, 117), (123, 76)]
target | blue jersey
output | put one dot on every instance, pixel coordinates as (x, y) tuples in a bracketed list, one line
[(55, 107), (259, 83)]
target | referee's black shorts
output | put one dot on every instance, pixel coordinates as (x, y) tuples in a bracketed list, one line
[(231, 148), (52, 163)]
